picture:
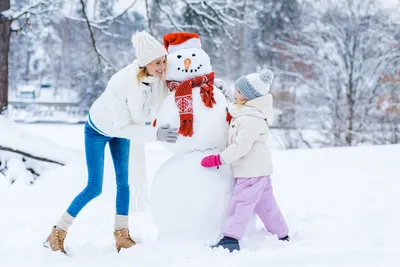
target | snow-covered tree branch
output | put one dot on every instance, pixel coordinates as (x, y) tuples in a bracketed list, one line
[(214, 18), (35, 8), (100, 55)]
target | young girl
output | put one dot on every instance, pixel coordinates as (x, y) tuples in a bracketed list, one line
[(250, 157)]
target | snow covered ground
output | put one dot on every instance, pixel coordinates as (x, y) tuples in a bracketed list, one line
[(342, 206)]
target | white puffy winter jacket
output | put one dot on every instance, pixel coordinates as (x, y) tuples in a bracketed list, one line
[(247, 150), (123, 110), (125, 105)]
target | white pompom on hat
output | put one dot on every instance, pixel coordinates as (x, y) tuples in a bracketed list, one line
[(147, 48)]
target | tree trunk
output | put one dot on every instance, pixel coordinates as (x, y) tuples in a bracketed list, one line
[(240, 53), (149, 19), (350, 98), (5, 31)]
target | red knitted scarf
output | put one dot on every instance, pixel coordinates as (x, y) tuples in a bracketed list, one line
[(184, 99)]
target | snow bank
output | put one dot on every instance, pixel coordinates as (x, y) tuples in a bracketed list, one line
[(15, 137), (24, 155)]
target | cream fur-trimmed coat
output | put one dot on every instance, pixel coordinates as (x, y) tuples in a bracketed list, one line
[(121, 111), (247, 150)]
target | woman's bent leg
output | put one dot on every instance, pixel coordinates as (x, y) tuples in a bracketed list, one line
[(94, 146)]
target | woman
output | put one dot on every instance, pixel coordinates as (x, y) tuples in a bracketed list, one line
[(119, 115)]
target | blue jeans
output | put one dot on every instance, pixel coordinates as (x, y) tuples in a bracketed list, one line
[(95, 144)]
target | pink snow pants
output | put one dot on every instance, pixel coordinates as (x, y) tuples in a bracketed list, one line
[(254, 195)]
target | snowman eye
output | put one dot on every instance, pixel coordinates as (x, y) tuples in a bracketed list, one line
[(194, 55), (179, 56)]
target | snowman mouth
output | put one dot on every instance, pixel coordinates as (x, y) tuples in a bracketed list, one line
[(190, 69)]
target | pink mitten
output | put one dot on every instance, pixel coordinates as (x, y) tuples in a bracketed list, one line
[(211, 161)]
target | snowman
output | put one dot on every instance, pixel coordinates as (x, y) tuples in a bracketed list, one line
[(189, 201)]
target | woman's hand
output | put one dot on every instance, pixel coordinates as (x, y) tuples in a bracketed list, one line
[(167, 134), (211, 161)]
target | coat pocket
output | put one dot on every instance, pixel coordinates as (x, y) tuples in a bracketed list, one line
[(233, 131)]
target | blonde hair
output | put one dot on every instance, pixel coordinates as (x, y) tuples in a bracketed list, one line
[(240, 103), (144, 73)]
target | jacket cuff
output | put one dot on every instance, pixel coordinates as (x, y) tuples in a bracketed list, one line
[(223, 159), (220, 160)]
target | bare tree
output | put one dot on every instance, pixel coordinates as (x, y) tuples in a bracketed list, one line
[(102, 25), (5, 31), (7, 16), (339, 58), (213, 19)]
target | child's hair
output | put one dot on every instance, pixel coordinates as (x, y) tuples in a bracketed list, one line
[(240, 103)]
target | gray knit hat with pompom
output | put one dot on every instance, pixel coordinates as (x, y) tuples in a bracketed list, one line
[(255, 84)]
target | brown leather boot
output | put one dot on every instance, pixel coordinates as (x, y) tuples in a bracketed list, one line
[(55, 241), (123, 239)]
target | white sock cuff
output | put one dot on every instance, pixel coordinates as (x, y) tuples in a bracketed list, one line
[(121, 222), (65, 222)]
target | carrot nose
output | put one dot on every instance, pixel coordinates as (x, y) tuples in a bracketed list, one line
[(187, 63)]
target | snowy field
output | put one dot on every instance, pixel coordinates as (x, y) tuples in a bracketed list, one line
[(342, 206)]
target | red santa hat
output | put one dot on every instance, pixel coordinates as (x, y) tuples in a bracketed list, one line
[(181, 40)]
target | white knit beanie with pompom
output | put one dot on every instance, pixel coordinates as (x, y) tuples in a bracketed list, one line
[(147, 48)]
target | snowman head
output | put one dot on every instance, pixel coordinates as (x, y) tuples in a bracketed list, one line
[(186, 59)]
